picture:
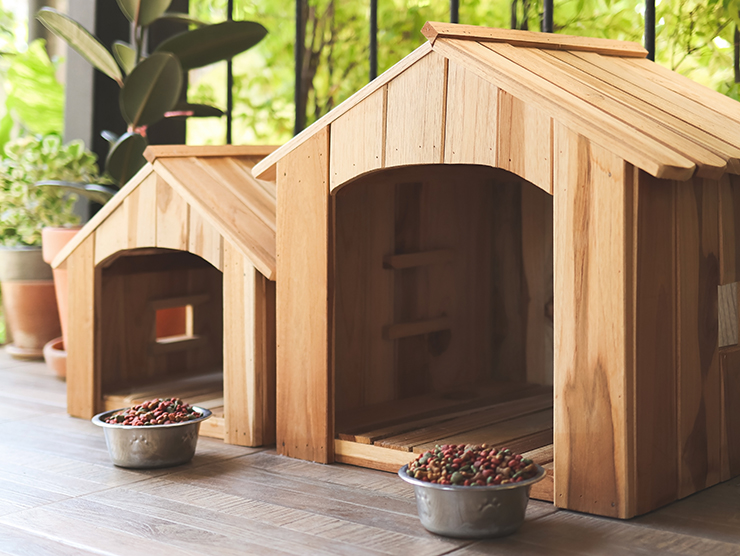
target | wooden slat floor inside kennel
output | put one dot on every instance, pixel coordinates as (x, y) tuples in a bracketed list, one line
[(513, 415), (205, 390)]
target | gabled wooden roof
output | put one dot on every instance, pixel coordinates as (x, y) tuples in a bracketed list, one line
[(653, 118), (217, 182)]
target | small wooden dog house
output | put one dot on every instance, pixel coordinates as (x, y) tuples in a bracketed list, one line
[(192, 235), (501, 211)]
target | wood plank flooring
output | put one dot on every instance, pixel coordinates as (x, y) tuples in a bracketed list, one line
[(60, 495)]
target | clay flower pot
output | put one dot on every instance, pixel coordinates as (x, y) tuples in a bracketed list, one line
[(53, 241), (30, 304)]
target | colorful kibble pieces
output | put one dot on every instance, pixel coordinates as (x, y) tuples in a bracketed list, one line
[(471, 465), (159, 411)]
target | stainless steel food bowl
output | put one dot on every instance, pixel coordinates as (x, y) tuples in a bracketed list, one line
[(472, 512), (151, 446)]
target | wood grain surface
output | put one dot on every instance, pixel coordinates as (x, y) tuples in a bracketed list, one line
[(305, 401)]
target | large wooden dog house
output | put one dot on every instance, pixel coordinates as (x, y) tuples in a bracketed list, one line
[(193, 233), (499, 212)]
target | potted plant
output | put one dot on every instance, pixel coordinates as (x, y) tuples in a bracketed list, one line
[(25, 208), (151, 84)]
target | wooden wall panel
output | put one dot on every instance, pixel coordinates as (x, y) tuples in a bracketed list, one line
[(364, 294), (472, 104), (205, 241), (249, 343), (538, 276), (83, 379), (112, 235), (699, 377), (729, 218), (727, 309), (358, 139), (141, 214), (305, 415), (593, 419), (172, 218), (730, 431), (415, 113), (524, 141), (653, 284)]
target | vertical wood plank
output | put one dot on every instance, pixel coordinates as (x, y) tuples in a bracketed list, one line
[(112, 235), (83, 381), (305, 412), (538, 274), (730, 430), (472, 103), (728, 314), (415, 113), (524, 141), (204, 240), (141, 213), (357, 139), (265, 353), (364, 294), (172, 218), (592, 435), (729, 217), (699, 376), (655, 358), (242, 403)]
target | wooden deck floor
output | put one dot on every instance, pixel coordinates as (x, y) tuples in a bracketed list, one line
[(59, 494)]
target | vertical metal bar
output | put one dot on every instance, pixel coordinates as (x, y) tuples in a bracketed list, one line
[(547, 8), (300, 111), (229, 84), (454, 11), (373, 39), (650, 28)]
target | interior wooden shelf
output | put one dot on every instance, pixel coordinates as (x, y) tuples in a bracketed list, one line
[(517, 416), (204, 390)]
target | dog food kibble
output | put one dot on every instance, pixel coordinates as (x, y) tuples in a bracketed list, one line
[(471, 465), (159, 411)]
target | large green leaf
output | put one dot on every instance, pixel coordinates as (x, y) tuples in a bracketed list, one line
[(6, 127), (83, 42), (126, 157), (188, 110), (151, 89), (125, 55), (182, 18), (147, 10), (200, 47), (34, 96), (93, 191)]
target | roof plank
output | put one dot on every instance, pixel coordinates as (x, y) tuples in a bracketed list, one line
[(434, 30), (169, 151), (622, 139), (701, 117)]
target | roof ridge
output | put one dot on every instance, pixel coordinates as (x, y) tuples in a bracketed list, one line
[(434, 30)]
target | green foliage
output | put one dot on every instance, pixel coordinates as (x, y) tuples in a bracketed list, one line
[(24, 208), (34, 96), (153, 84), (694, 37)]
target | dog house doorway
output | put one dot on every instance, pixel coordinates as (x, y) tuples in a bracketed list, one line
[(161, 331), (443, 325)]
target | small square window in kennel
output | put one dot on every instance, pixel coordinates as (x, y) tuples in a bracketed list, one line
[(172, 293), (519, 239)]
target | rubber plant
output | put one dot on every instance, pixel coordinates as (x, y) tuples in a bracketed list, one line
[(151, 83)]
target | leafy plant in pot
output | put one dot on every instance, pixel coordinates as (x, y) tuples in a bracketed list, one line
[(151, 84), (25, 209)]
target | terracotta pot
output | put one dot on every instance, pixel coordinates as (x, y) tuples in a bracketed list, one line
[(53, 241), (56, 357), (30, 304)]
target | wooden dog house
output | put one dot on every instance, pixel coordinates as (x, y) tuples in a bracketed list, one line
[(434, 227), (193, 233)]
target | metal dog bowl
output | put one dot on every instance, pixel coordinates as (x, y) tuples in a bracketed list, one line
[(151, 446), (472, 512)]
